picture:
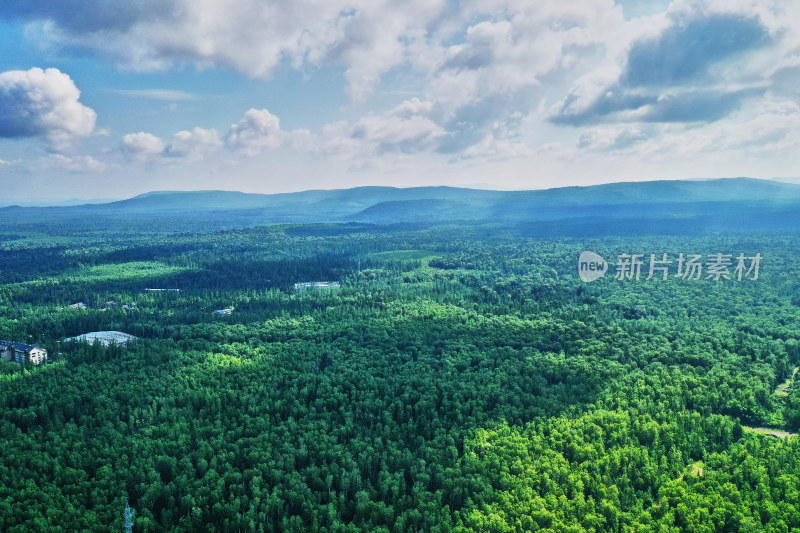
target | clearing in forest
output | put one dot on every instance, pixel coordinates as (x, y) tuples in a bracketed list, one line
[(769, 431)]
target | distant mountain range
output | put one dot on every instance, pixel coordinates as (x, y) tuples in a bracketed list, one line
[(742, 203)]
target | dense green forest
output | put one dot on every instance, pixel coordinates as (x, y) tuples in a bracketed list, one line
[(462, 379)]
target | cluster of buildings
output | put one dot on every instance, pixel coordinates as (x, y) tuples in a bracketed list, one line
[(110, 304), (22, 353)]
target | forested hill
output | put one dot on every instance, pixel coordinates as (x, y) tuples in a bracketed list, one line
[(708, 205)]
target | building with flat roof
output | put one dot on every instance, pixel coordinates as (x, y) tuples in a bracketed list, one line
[(106, 338)]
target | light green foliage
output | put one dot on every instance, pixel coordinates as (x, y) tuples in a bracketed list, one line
[(466, 381)]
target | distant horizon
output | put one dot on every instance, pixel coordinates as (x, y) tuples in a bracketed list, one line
[(77, 201)]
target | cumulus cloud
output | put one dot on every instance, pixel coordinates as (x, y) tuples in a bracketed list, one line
[(193, 145), (366, 37), (43, 103), (410, 127), (767, 133), (487, 66), (686, 50), (407, 128), (376, 35), (516, 45), (257, 131), (695, 63), (142, 146), (512, 53), (487, 72)]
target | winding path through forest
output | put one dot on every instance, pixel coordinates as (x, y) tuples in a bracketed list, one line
[(783, 388)]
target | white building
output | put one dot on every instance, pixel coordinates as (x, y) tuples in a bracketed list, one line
[(106, 338)]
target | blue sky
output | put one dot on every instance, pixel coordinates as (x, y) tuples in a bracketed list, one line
[(115, 98)]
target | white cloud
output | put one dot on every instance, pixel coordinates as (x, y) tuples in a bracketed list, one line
[(257, 131), (407, 128), (493, 79), (772, 130), (762, 141), (193, 145), (79, 163), (142, 146), (300, 140), (43, 103), (489, 72), (514, 46), (410, 127), (696, 62), (366, 37), (334, 139), (618, 137), (486, 66), (378, 36)]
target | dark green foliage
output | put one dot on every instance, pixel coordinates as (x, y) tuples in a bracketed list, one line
[(465, 380)]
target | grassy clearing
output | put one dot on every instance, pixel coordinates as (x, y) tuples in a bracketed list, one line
[(769, 431)]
